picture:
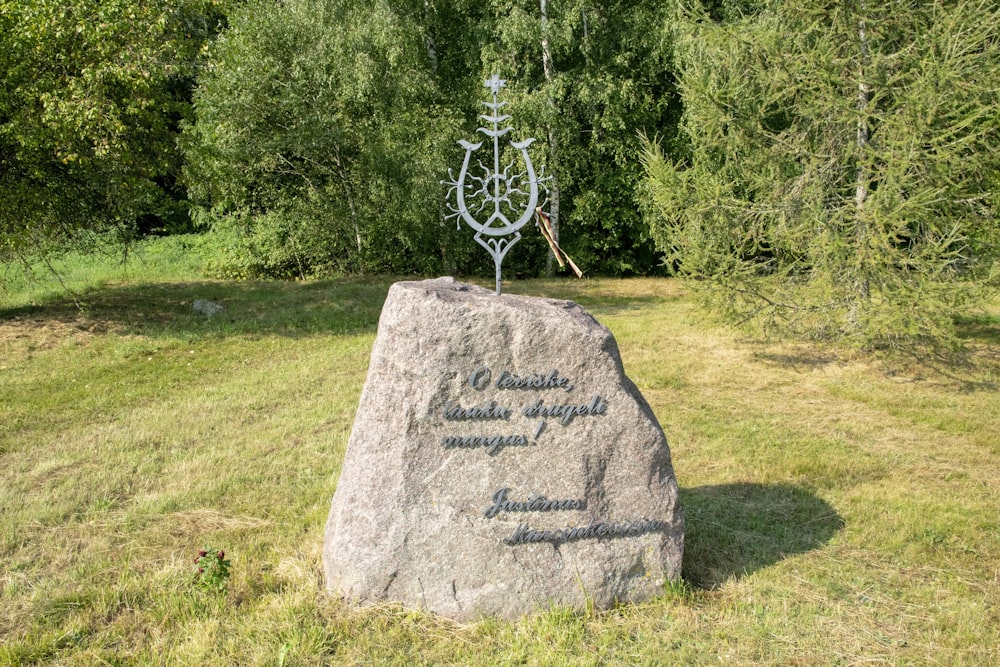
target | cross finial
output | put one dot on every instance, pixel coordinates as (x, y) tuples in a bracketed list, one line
[(497, 192), (495, 83)]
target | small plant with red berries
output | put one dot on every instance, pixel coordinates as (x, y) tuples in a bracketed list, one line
[(213, 569)]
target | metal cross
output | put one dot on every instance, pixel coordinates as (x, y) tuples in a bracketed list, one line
[(496, 192)]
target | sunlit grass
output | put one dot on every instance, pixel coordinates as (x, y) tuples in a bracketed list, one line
[(840, 509), (75, 272)]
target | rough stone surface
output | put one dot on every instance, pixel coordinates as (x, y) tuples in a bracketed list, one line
[(411, 516)]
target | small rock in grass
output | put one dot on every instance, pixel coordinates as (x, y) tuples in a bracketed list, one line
[(207, 308)]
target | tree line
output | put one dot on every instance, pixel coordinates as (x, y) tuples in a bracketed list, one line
[(311, 136), (828, 167)]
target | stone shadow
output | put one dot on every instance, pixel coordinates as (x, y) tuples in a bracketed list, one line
[(732, 530), (250, 308)]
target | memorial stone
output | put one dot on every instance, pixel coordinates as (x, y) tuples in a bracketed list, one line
[(500, 462)]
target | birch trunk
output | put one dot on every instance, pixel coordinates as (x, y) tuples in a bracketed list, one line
[(548, 69), (429, 43)]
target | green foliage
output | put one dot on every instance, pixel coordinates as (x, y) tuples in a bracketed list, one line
[(90, 97), (306, 162), (317, 142), (610, 81), (321, 129), (840, 171), (212, 570)]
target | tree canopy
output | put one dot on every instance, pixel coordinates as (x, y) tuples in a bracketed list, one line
[(90, 97), (317, 131), (324, 128), (607, 79), (316, 143), (839, 172), (828, 167)]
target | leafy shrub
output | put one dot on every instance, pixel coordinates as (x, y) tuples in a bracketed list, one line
[(317, 142)]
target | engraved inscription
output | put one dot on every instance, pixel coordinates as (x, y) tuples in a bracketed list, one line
[(534, 503), (481, 376), (492, 443), (566, 411), (594, 530), (536, 381), (489, 410)]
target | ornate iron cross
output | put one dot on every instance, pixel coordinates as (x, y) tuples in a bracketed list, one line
[(498, 194)]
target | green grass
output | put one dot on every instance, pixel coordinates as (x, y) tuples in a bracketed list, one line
[(74, 272), (840, 509)]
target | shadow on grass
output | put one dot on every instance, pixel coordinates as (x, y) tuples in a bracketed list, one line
[(984, 328), (732, 530), (971, 366), (337, 306), (609, 296), (250, 308)]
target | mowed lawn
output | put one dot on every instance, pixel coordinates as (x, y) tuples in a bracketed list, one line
[(841, 508)]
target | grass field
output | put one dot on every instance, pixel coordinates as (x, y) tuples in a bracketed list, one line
[(841, 509)]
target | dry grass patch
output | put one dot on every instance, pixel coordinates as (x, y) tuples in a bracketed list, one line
[(841, 508)]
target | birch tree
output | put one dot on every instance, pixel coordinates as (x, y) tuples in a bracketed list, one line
[(316, 145), (585, 79)]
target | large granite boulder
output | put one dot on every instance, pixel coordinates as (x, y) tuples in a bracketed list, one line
[(500, 462)]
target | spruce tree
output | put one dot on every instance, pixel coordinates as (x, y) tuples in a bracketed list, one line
[(839, 177)]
